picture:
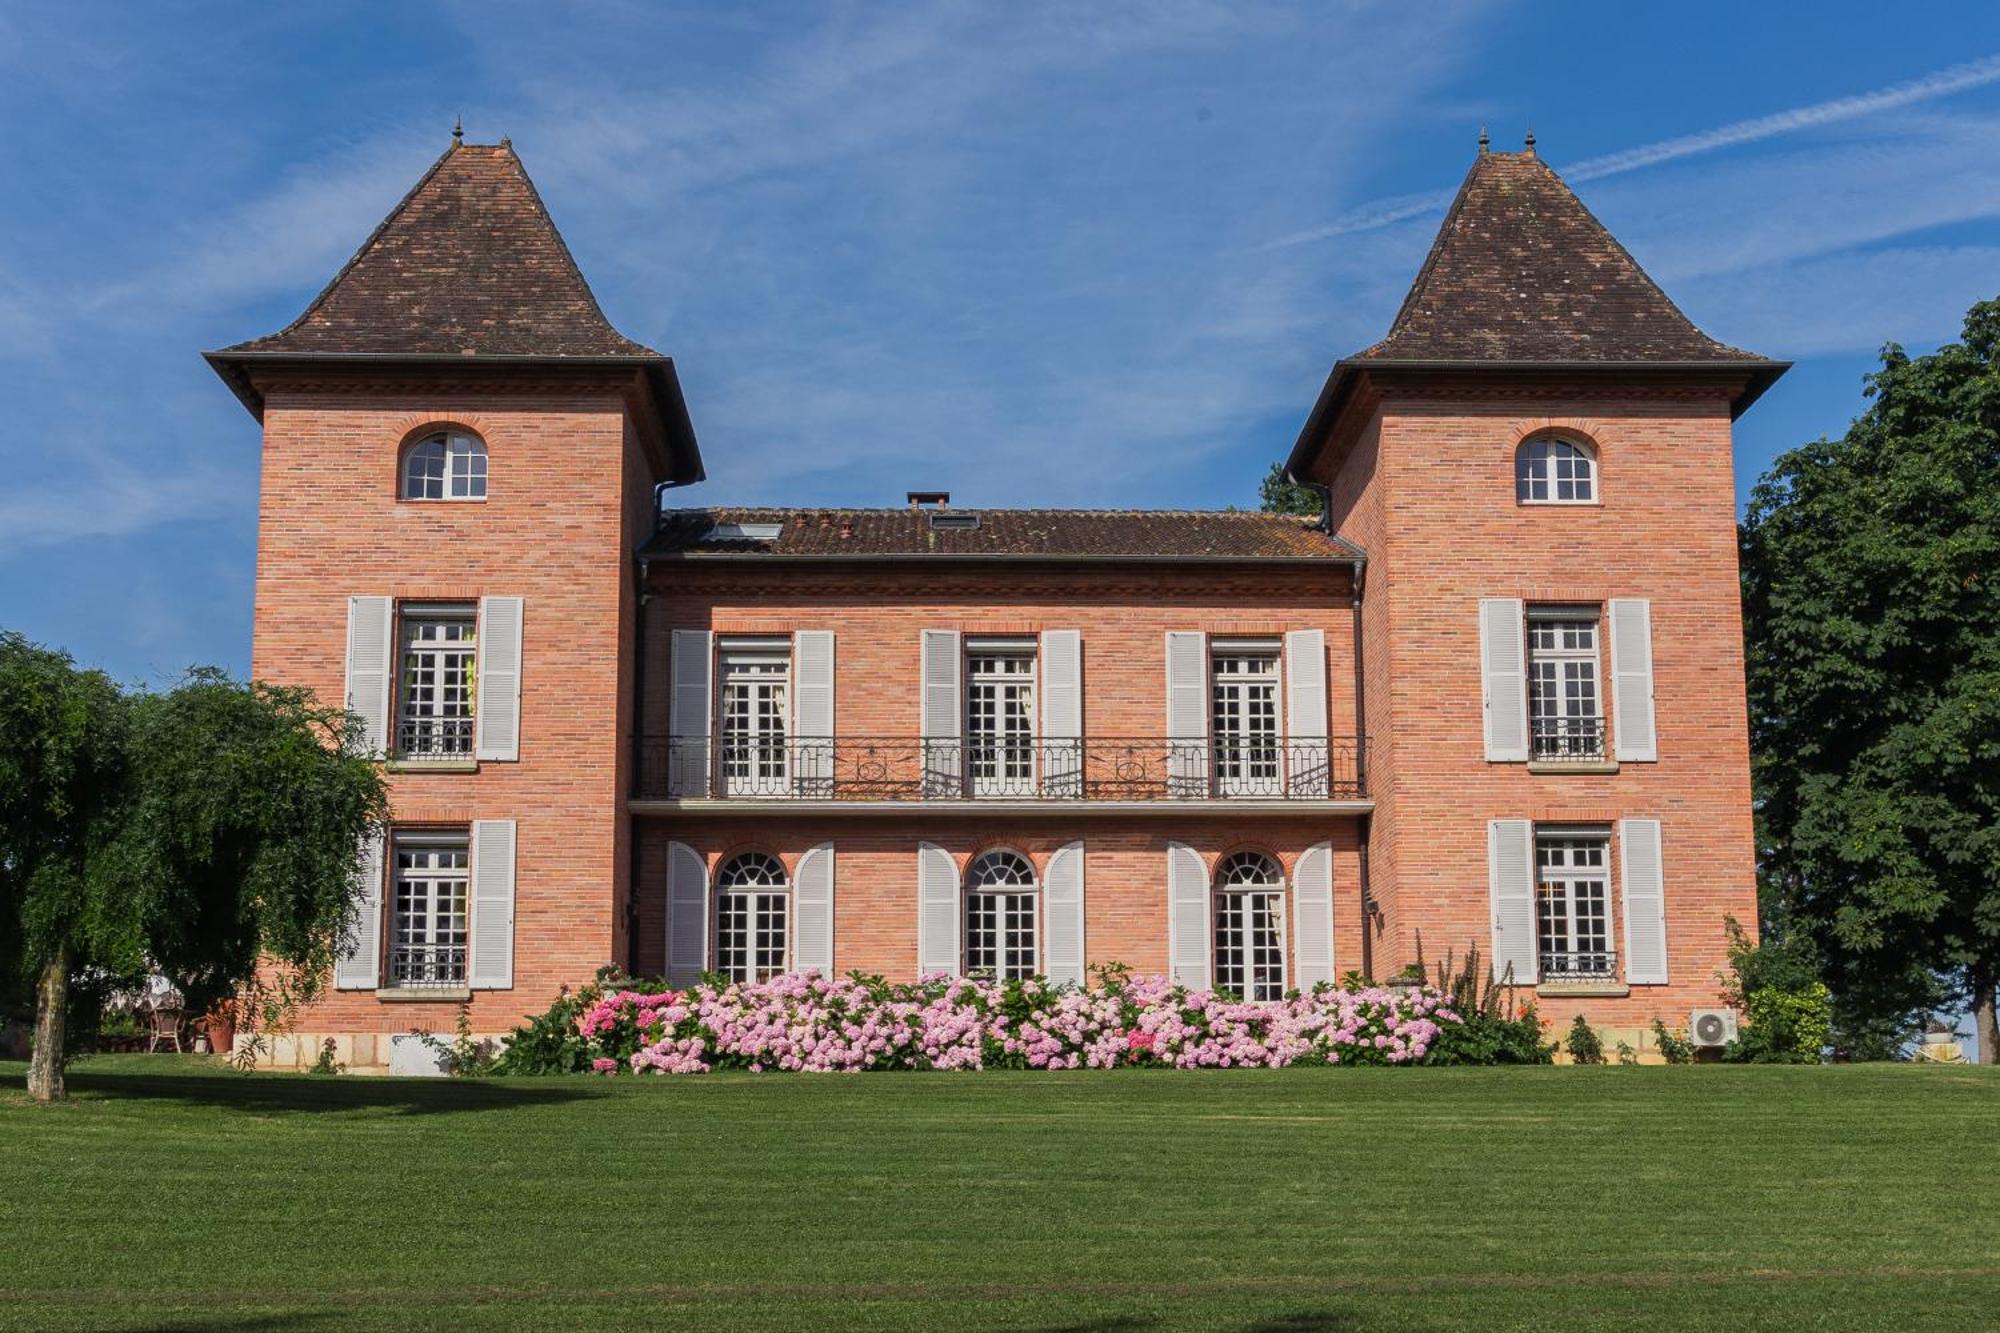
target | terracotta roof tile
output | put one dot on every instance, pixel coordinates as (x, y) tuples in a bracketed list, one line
[(468, 264), (1047, 533), (1522, 272)]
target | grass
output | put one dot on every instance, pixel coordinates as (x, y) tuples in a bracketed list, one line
[(170, 1193)]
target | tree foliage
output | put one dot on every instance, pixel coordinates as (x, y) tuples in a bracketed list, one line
[(1275, 495), (1871, 581), (188, 834)]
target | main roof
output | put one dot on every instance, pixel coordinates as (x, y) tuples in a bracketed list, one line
[(469, 268), (1523, 276), (1058, 534)]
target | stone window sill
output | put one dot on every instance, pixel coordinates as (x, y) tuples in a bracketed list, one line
[(1601, 990), (432, 766), (424, 995), (1572, 765)]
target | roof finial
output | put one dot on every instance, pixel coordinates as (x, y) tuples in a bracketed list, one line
[(457, 131), (1483, 141), (1531, 143)]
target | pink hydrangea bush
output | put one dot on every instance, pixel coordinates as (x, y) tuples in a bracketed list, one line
[(811, 1023)]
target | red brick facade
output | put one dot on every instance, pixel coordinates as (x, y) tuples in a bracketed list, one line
[(1419, 461)]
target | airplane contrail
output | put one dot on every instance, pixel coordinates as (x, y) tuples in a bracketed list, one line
[(1940, 83)]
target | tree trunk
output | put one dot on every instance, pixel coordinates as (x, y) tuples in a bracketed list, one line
[(1985, 1022), (45, 1073)]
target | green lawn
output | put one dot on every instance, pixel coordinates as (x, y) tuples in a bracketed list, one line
[(173, 1194)]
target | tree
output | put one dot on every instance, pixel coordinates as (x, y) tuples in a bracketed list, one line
[(211, 835), (1276, 495), (1871, 582)]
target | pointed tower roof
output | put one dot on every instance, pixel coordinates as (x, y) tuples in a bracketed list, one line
[(1522, 277), (468, 268)]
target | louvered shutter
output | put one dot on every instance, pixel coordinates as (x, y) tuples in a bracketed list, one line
[(498, 663), (812, 890), (1634, 737), (1643, 872), (359, 966), (1063, 951), (937, 910), (1188, 922), (687, 915), (1062, 712), (812, 723), (1502, 650), (1312, 916), (943, 716), (371, 629), (1187, 713), (1510, 869), (692, 666), (1306, 755), (490, 964)]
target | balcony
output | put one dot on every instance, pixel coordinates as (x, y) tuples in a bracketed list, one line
[(1588, 966), (1567, 740), (434, 740), (1103, 770)]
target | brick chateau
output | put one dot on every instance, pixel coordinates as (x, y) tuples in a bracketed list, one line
[(1496, 700)]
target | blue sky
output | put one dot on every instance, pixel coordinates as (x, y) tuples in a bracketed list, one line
[(1090, 255)]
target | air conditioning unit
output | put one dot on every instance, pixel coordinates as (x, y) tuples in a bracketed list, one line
[(1712, 1027)]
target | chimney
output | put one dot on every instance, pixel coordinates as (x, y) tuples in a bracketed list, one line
[(929, 499)]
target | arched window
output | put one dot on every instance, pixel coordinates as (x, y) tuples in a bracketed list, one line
[(1549, 470), (450, 465), (753, 898), (1250, 926), (1000, 931)]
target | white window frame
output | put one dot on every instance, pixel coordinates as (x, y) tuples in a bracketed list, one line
[(756, 760), (456, 447), (1001, 751), (758, 897), (1008, 964), (430, 842), (1556, 887), (1541, 448), (1232, 752), (1557, 737), (1230, 895), (429, 709)]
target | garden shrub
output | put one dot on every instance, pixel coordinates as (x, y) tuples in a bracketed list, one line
[(1787, 1010), (1584, 1045), (1675, 1049), (1492, 1029)]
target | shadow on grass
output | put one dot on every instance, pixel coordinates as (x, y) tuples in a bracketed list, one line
[(266, 1093), (1297, 1321)]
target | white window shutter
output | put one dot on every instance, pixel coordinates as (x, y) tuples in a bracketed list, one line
[(1510, 871), (1633, 734), (1187, 713), (687, 915), (812, 891), (497, 718), (1503, 647), (1312, 916), (943, 717), (1062, 958), (371, 632), (1642, 870), (812, 720), (359, 966), (490, 961), (1188, 918), (937, 910), (691, 712), (1062, 712), (1306, 750)]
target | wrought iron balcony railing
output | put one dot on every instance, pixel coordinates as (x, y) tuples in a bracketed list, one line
[(420, 738), (1571, 739), (916, 768), (415, 966), (1584, 965)]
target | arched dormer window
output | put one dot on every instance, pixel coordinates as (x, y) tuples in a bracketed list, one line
[(1001, 935), (447, 465), (1555, 470), (753, 935), (1250, 926)]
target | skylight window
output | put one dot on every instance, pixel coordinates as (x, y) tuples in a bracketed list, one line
[(744, 532), (954, 520)]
